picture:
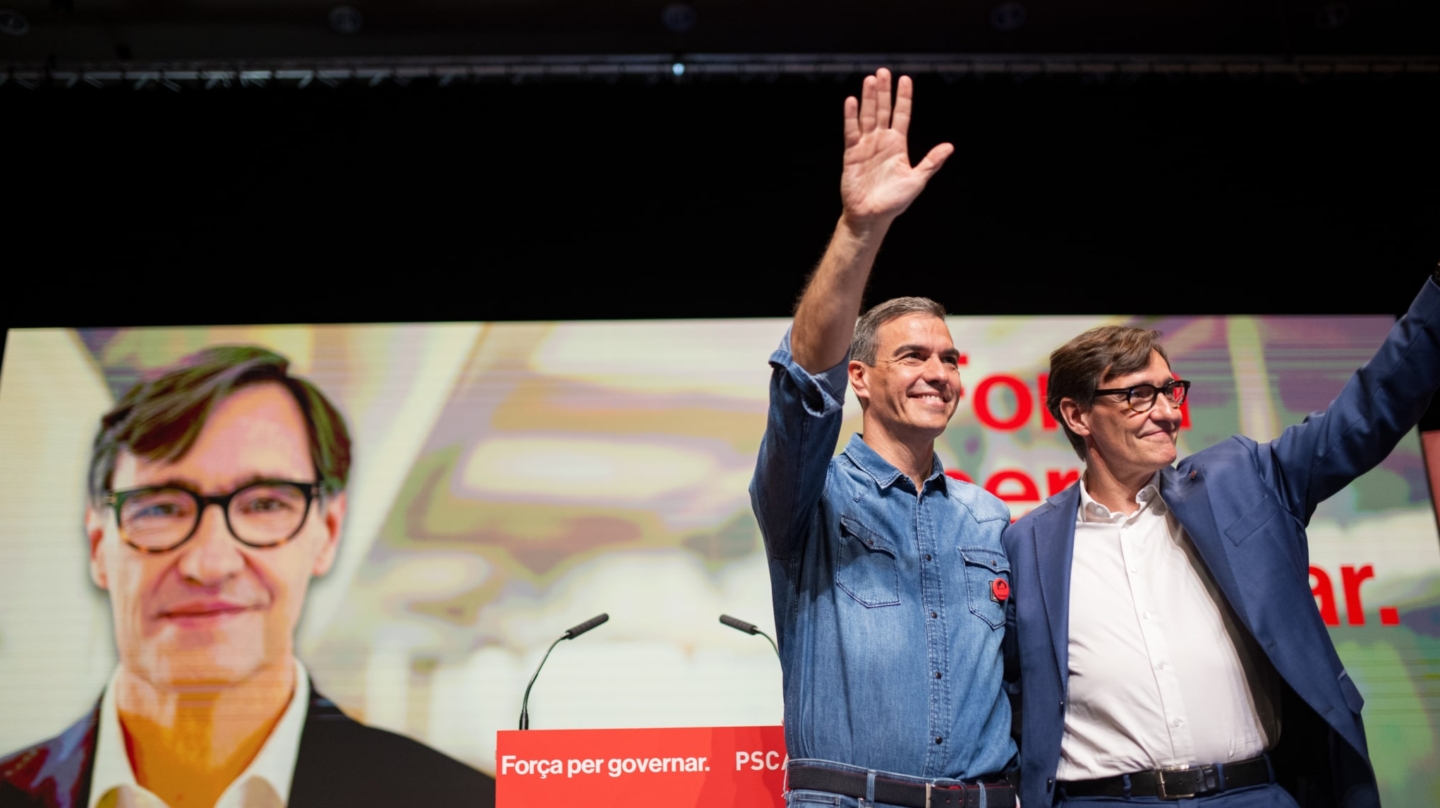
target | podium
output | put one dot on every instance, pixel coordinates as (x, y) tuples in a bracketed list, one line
[(688, 767)]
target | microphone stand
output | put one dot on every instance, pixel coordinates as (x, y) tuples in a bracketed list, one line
[(749, 628), (570, 634)]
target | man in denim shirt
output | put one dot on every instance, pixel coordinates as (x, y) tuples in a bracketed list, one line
[(889, 578)]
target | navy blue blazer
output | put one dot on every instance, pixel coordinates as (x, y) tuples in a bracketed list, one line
[(341, 763), (1245, 506)]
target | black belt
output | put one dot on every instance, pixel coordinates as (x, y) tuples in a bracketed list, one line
[(1176, 782), (998, 793)]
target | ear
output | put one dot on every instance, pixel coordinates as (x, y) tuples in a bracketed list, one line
[(1075, 416), (95, 518), (859, 381), (334, 515)]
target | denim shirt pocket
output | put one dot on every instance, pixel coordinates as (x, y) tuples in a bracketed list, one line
[(982, 568), (866, 567)]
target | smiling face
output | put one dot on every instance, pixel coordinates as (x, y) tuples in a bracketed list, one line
[(1130, 444), (213, 611), (914, 386)]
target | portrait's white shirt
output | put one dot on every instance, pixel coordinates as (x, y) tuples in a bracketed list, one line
[(265, 783), (1160, 673)]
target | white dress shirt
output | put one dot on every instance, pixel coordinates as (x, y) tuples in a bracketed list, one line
[(265, 783), (1161, 674)]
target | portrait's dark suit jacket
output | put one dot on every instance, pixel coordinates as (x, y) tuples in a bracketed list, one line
[(340, 763), (1245, 506)]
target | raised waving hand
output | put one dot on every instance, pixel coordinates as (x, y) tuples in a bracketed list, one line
[(878, 183)]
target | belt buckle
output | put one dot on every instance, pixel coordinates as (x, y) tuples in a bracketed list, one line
[(947, 795), (1164, 793)]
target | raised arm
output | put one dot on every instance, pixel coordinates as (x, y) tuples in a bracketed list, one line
[(1380, 404), (877, 184)]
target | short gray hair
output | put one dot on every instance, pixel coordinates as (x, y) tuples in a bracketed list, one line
[(865, 343)]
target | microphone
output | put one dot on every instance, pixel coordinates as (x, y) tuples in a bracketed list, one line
[(576, 631), (570, 634), (749, 628)]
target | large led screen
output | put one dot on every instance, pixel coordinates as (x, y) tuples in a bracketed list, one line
[(510, 480)]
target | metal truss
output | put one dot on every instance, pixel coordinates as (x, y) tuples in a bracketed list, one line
[(653, 68)]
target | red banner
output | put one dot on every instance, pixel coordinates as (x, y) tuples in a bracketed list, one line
[(704, 767)]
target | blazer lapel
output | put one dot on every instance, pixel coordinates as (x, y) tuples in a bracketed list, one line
[(56, 773), (320, 761), (1187, 495), (1053, 534)]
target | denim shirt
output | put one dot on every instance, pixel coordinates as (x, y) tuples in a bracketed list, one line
[(889, 635)]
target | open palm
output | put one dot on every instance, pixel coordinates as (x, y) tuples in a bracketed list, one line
[(878, 182)]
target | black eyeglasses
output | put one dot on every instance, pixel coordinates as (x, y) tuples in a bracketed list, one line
[(1141, 397), (262, 514)]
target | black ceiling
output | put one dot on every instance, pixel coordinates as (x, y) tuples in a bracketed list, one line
[(507, 198), (97, 30)]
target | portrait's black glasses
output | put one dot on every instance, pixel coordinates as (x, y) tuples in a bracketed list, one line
[(262, 514), (1141, 397)]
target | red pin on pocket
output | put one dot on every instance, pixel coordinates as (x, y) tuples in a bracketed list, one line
[(999, 590)]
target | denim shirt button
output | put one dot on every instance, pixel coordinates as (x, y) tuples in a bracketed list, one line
[(927, 556), (937, 674), (939, 739), (933, 614)]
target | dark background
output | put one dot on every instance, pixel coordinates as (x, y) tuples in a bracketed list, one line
[(561, 198), (88, 30)]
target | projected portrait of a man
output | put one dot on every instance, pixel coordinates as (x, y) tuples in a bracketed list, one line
[(216, 493)]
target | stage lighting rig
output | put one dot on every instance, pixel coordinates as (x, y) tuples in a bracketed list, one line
[(13, 22), (679, 18), (1007, 16), (346, 19), (1331, 16)]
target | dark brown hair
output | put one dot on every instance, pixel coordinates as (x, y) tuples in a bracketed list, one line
[(162, 415), (1078, 367)]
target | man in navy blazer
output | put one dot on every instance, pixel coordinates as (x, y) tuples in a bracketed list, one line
[(1162, 628)]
